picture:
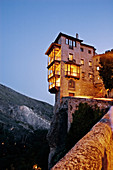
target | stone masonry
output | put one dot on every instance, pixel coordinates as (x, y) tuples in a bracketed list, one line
[(94, 151), (73, 103), (62, 120)]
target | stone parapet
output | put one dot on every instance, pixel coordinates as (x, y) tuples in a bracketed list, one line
[(93, 151), (73, 103)]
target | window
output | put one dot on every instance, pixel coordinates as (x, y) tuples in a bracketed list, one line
[(90, 63), (90, 75), (89, 51), (72, 71), (82, 61), (74, 44), (83, 75), (97, 68), (71, 94), (66, 41), (71, 84), (71, 57), (59, 41), (70, 42), (81, 49)]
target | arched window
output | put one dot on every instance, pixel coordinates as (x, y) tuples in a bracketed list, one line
[(71, 84)]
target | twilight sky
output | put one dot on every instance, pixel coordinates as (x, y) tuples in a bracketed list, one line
[(27, 27)]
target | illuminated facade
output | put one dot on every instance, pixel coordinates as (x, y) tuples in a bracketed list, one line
[(98, 83), (71, 67), (54, 59)]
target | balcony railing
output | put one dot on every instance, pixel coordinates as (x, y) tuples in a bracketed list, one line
[(57, 84), (53, 87), (54, 59), (50, 61), (50, 75), (72, 74), (57, 58), (54, 74)]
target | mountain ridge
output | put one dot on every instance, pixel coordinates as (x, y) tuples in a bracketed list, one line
[(11, 98), (18, 111)]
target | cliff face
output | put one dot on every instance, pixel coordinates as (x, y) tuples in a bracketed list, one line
[(24, 123), (94, 150), (10, 98), (57, 135), (26, 116), (61, 123), (19, 113)]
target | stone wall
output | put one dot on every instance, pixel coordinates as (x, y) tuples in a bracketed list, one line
[(73, 103), (93, 151), (62, 120)]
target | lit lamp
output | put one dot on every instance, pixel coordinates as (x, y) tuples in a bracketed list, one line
[(36, 168)]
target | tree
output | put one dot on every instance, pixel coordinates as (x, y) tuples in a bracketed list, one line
[(83, 120), (106, 70)]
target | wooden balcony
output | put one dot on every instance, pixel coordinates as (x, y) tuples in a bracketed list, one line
[(75, 75), (54, 74), (54, 87), (53, 60)]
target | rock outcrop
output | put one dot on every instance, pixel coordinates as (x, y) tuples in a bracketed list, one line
[(93, 151), (10, 98), (26, 116), (20, 114), (57, 134)]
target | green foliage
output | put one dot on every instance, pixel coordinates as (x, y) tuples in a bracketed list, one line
[(106, 70), (83, 120), (20, 156)]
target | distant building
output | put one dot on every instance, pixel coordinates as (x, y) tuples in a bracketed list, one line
[(98, 83), (73, 68)]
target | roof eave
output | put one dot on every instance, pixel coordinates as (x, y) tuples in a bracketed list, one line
[(51, 46), (67, 36)]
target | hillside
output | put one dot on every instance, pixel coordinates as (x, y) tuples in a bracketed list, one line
[(24, 123), (10, 98)]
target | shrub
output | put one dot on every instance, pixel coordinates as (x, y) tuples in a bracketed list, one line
[(83, 119)]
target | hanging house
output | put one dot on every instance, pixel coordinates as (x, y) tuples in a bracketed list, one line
[(71, 68)]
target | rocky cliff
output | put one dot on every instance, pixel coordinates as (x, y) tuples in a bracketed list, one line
[(19, 112), (24, 123), (62, 120)]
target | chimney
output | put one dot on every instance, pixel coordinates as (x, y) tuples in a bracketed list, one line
[(77, 35)]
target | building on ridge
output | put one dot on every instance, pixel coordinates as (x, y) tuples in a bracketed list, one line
[(71, 69)]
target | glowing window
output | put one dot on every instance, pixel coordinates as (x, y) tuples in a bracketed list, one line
[(90, 63), (70, 56), (71, 94), (98, 68), (82, 61), (90, 75)]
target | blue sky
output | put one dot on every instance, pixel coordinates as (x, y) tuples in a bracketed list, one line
[(27, 27)]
